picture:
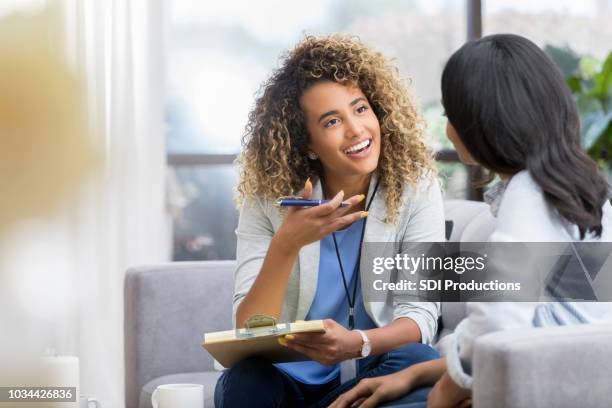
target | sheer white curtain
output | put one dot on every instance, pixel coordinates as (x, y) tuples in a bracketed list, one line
[(119, 221)]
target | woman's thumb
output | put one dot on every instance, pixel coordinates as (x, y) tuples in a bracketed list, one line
[(307, 191)]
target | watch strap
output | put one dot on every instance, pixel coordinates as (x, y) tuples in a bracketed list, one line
[(365, 339)]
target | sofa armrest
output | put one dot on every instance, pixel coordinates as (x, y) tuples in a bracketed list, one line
[(168, 308), (559, 367)]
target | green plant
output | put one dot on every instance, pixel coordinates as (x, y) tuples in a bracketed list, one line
[(590, 81)]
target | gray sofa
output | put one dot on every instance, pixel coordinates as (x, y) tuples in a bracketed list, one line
[(168, 308)]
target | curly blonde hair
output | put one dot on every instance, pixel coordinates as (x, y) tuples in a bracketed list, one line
[(273, 161)]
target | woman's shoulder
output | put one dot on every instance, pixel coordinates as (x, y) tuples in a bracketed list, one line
[(426, 186), (421, 214), (524, 215), (424, 192), (257, 209)]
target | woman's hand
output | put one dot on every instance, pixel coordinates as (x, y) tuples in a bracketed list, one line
[(370, 392), (302, 226), (447, 394), (335, 345)]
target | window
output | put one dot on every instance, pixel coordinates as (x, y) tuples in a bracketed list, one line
[(220, 52), (584, 26)]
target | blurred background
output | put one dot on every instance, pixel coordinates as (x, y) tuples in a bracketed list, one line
[(220, 52), (120, 121)]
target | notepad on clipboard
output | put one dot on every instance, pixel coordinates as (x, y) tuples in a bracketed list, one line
[(258, 338)]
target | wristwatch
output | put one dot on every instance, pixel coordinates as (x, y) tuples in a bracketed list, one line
[(366, 348)]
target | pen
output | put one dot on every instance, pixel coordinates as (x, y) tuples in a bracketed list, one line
[(300, 202)]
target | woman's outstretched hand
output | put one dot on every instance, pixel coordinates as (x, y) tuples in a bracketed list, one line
[(302, 226), (370, 392), (446, 394), (335, 345)]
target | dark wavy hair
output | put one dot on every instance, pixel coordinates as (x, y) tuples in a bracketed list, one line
[(512, 110)]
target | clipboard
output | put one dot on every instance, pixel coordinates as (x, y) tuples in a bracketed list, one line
[(258, 338)]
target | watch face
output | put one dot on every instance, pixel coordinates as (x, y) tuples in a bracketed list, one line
[(366, 349)]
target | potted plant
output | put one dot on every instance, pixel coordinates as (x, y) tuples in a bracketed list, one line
[(590, 81)]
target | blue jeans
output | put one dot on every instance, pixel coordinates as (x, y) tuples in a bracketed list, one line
[(255, 382)]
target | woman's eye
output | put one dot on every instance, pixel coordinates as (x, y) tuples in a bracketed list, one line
[(331, 122), (362, 109)]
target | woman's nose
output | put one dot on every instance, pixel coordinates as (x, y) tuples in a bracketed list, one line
[(354, 128)]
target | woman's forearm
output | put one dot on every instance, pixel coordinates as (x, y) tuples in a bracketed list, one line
[(393, 335), (426, 373), (267, 294)]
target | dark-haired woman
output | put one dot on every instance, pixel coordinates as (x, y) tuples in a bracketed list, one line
[(509, 110)]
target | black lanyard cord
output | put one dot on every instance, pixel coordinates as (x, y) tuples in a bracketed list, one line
[(351, 300)]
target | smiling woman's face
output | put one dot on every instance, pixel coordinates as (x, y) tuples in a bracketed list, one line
[(344, 131)]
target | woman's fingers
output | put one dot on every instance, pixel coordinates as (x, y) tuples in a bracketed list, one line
[(312, 353), (466, 403), (357, 403), (356, 394), (314, 340), (375, 399), (343, 221), (351, 203), (307, 191), (329, 207)]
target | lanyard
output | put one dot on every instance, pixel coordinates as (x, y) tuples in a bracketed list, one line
[(351, 300)]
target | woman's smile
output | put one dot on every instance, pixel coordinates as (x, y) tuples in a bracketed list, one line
[(343, 130), (359, 150)]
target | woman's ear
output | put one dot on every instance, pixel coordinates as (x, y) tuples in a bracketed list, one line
[(312, 155)]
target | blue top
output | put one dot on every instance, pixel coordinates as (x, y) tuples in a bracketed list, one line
[(330, 300)]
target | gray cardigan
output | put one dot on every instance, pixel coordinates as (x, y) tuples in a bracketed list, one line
[(421, 219)]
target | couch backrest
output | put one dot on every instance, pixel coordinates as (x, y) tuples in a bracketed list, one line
[(472, 222), (168, 308)]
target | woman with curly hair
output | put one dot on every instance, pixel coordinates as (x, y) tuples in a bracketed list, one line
[(333, 121)]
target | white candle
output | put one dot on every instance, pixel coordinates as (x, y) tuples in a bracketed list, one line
[(51, 371), (61, 371)]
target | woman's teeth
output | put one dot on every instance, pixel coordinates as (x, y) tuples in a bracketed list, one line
[(358, 147)]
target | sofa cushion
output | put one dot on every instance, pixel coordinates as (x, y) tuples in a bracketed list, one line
[(561, 367), (168, 308), (472, 222), (480, 228), (461, 213), (208, 379), (452, 313)]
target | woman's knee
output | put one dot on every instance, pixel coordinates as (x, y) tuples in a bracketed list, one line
[(252, 376), (414, 353), (251, 365)]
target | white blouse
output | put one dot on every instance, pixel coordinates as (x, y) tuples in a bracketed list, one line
[(523, 215)]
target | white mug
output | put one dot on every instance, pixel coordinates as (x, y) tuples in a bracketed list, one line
[(178, 396), (85, 402)]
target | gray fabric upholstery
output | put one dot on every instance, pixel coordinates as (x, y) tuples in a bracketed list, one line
[(462, 212), (561, 367), (207, 378), (480, 228), (167, 310), (452, 313)]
